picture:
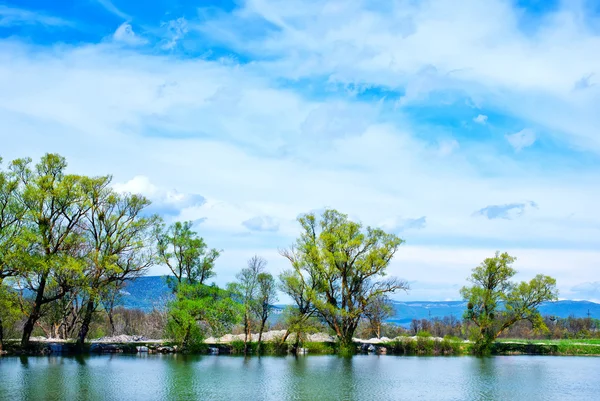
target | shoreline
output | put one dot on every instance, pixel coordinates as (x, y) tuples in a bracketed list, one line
[(316, 344)]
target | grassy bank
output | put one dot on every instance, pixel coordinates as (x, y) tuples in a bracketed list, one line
[(551, 347), (423, 346)]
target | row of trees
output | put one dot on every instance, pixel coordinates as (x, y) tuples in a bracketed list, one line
[(68, 243)]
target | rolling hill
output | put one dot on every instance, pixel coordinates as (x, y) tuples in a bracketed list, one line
[(147, 292)]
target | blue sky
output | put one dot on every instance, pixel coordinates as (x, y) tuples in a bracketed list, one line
[(464, 127)]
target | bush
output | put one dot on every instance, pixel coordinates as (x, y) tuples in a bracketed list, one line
[(237, 346), (319, 348), (273, 347), (425, 345)]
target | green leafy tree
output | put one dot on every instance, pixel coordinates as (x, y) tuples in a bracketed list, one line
[(302, 289), (198, 309), (54, 207), (379, 309), (10, 311), (266, 297), (186, 254), (118, 242), (344, 265), (495, 303), (12, 244), (246, 289)]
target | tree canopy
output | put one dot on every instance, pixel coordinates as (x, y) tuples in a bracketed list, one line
[(495, 302), (343, 268)]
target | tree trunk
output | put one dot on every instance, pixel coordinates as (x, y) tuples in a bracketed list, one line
[(1, 335), (112, 322), (346, 345), (297, 342), (85, 324), (35, 312), (285, 336), (246, 333), (262, 327)]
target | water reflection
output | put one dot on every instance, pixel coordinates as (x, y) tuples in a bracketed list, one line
[(183, 377)]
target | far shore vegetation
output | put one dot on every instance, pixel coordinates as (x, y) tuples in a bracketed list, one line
[(70, 243)]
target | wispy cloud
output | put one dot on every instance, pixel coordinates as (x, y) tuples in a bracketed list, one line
[(481, 119), (110, 7), (175, 31), (508, 211), (124, 34), (168, 202), (522, 139), (399, 224), (16, 16), (277, 108), (261, 223)]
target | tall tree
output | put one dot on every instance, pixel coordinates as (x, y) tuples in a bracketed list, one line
[(185, 253), (119, 245), (55, 204), (266, 297), (348, 264), (246, 287), (12, 242), (495, 303)]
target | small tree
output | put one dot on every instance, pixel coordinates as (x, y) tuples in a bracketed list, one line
[(302, 290), (185, 253), (495, 303), (379, 309), (247, 289), (198, 308), (345, 265), (266, 297)]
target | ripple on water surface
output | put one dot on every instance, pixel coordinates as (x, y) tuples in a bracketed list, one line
[(364, 377)]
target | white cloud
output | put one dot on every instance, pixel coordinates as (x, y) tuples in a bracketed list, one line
[(251, 147), (261, 223), (481, 119), (448, 146), (473, 48), (176, 30), (110, 7), (125, 34), (522, 139), (10, 16), (166, 202), (399, 224)]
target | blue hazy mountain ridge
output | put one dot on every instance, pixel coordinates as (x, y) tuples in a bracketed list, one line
[(150, 291)]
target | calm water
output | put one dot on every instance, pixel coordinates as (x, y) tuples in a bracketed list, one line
[(369, 377)]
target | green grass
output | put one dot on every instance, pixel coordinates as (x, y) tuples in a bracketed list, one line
[(557, 347)]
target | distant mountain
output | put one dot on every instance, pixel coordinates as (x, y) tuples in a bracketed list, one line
[(407, 311), (146, 292)]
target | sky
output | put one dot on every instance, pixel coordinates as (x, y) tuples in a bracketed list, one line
[(463, 127)]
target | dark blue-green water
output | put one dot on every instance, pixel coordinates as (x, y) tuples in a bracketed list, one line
[(369, 377)]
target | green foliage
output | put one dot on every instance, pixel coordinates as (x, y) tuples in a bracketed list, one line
[(199, 310), (495, 303), (423, 334), (10, 311), (338, 267), (238, 346), (320, 347), (186, 253)]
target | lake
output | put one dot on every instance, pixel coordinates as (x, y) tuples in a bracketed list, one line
[(363, 377)]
